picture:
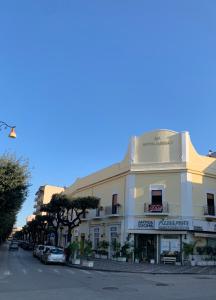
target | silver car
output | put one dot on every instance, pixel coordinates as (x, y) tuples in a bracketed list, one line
[(53, 255), (44, 250)]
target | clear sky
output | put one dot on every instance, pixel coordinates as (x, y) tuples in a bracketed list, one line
[(79, 78)]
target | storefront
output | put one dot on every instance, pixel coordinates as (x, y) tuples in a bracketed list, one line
[(154, 239)]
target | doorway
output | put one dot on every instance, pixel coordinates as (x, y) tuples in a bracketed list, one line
[(146, 247)]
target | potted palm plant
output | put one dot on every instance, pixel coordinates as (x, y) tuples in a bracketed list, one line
[(74, 250), (103, 249), (116, 246), (188, 250), (87, 262)]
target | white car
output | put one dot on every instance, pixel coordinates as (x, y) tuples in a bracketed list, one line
[(53, 255), (38, 250), (45, 249)]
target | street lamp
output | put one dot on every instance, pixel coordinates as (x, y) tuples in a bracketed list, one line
[(12, 133)]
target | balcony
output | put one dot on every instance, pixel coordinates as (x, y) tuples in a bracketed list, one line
[(97, 213), (85, 216), (112, 211), (156, 209), (210, 212)]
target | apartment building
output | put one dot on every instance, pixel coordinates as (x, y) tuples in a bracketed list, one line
[(44, 195), (161, 195)]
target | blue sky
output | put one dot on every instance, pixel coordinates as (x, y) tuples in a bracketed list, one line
[(79, 78)]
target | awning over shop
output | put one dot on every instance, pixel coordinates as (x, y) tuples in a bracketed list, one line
[(157, 232), (203, 234)]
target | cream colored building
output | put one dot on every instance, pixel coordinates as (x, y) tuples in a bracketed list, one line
[(44, 195), (159, 196), (30, 218)]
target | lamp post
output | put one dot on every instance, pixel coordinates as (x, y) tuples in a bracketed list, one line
[(12, 133)]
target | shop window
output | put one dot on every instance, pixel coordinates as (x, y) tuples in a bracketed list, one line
[(96, 237), (113, 233), (210, 204), (114, 203)]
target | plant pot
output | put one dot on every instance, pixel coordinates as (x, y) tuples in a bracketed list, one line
[(75, 261), (114, 258), (193, 263), (88, 263), (123, 259)]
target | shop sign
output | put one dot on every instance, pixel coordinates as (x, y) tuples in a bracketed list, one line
[(143, 224), (174, 225), (198, 228)]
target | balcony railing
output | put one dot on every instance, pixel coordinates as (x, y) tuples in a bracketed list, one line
[(210, 210), (112, 210), (156, 208), (93, 214)]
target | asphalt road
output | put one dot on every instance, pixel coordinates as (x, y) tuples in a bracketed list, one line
[(23, 277)]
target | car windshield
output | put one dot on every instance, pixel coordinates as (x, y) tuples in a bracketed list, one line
[(56, 251)]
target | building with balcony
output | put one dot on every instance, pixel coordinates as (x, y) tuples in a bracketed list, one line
[(44, 195), (30, 218), (161, 195)]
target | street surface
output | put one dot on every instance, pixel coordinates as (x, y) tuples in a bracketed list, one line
[(23, 277)]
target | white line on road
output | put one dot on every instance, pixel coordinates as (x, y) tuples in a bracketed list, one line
[(39, 270), (202, 269), (70, 271), (85, 272), (3, 281), (101, 273), (7, 273), (56, 271), (24, 271)]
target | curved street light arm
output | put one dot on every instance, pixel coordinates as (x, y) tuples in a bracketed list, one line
[(5, 125)]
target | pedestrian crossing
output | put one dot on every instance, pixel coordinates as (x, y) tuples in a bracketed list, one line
[(7, 273)]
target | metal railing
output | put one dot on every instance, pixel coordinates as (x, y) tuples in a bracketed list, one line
[(209, 210), (156, 208), (112, 210)]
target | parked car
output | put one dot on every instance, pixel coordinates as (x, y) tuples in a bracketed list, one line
[(38, 250), (13, 246), (26, 245), (43, 250), (55, 255)]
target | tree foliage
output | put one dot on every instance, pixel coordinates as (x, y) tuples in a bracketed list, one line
[(14, 183), (63, 210)]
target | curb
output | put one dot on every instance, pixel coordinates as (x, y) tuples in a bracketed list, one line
[(137, 272)]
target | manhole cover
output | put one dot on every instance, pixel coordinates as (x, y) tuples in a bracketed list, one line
[(110, 288), (161, 284)]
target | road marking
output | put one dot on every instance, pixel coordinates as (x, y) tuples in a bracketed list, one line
[(202, 269), (56, 271), (3, 281), (70, 271), (85, 272), (39, 270), (101, 273), (24, 271), (7, 273)]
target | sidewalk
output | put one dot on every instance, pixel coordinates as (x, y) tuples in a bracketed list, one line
[(106, 265)]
